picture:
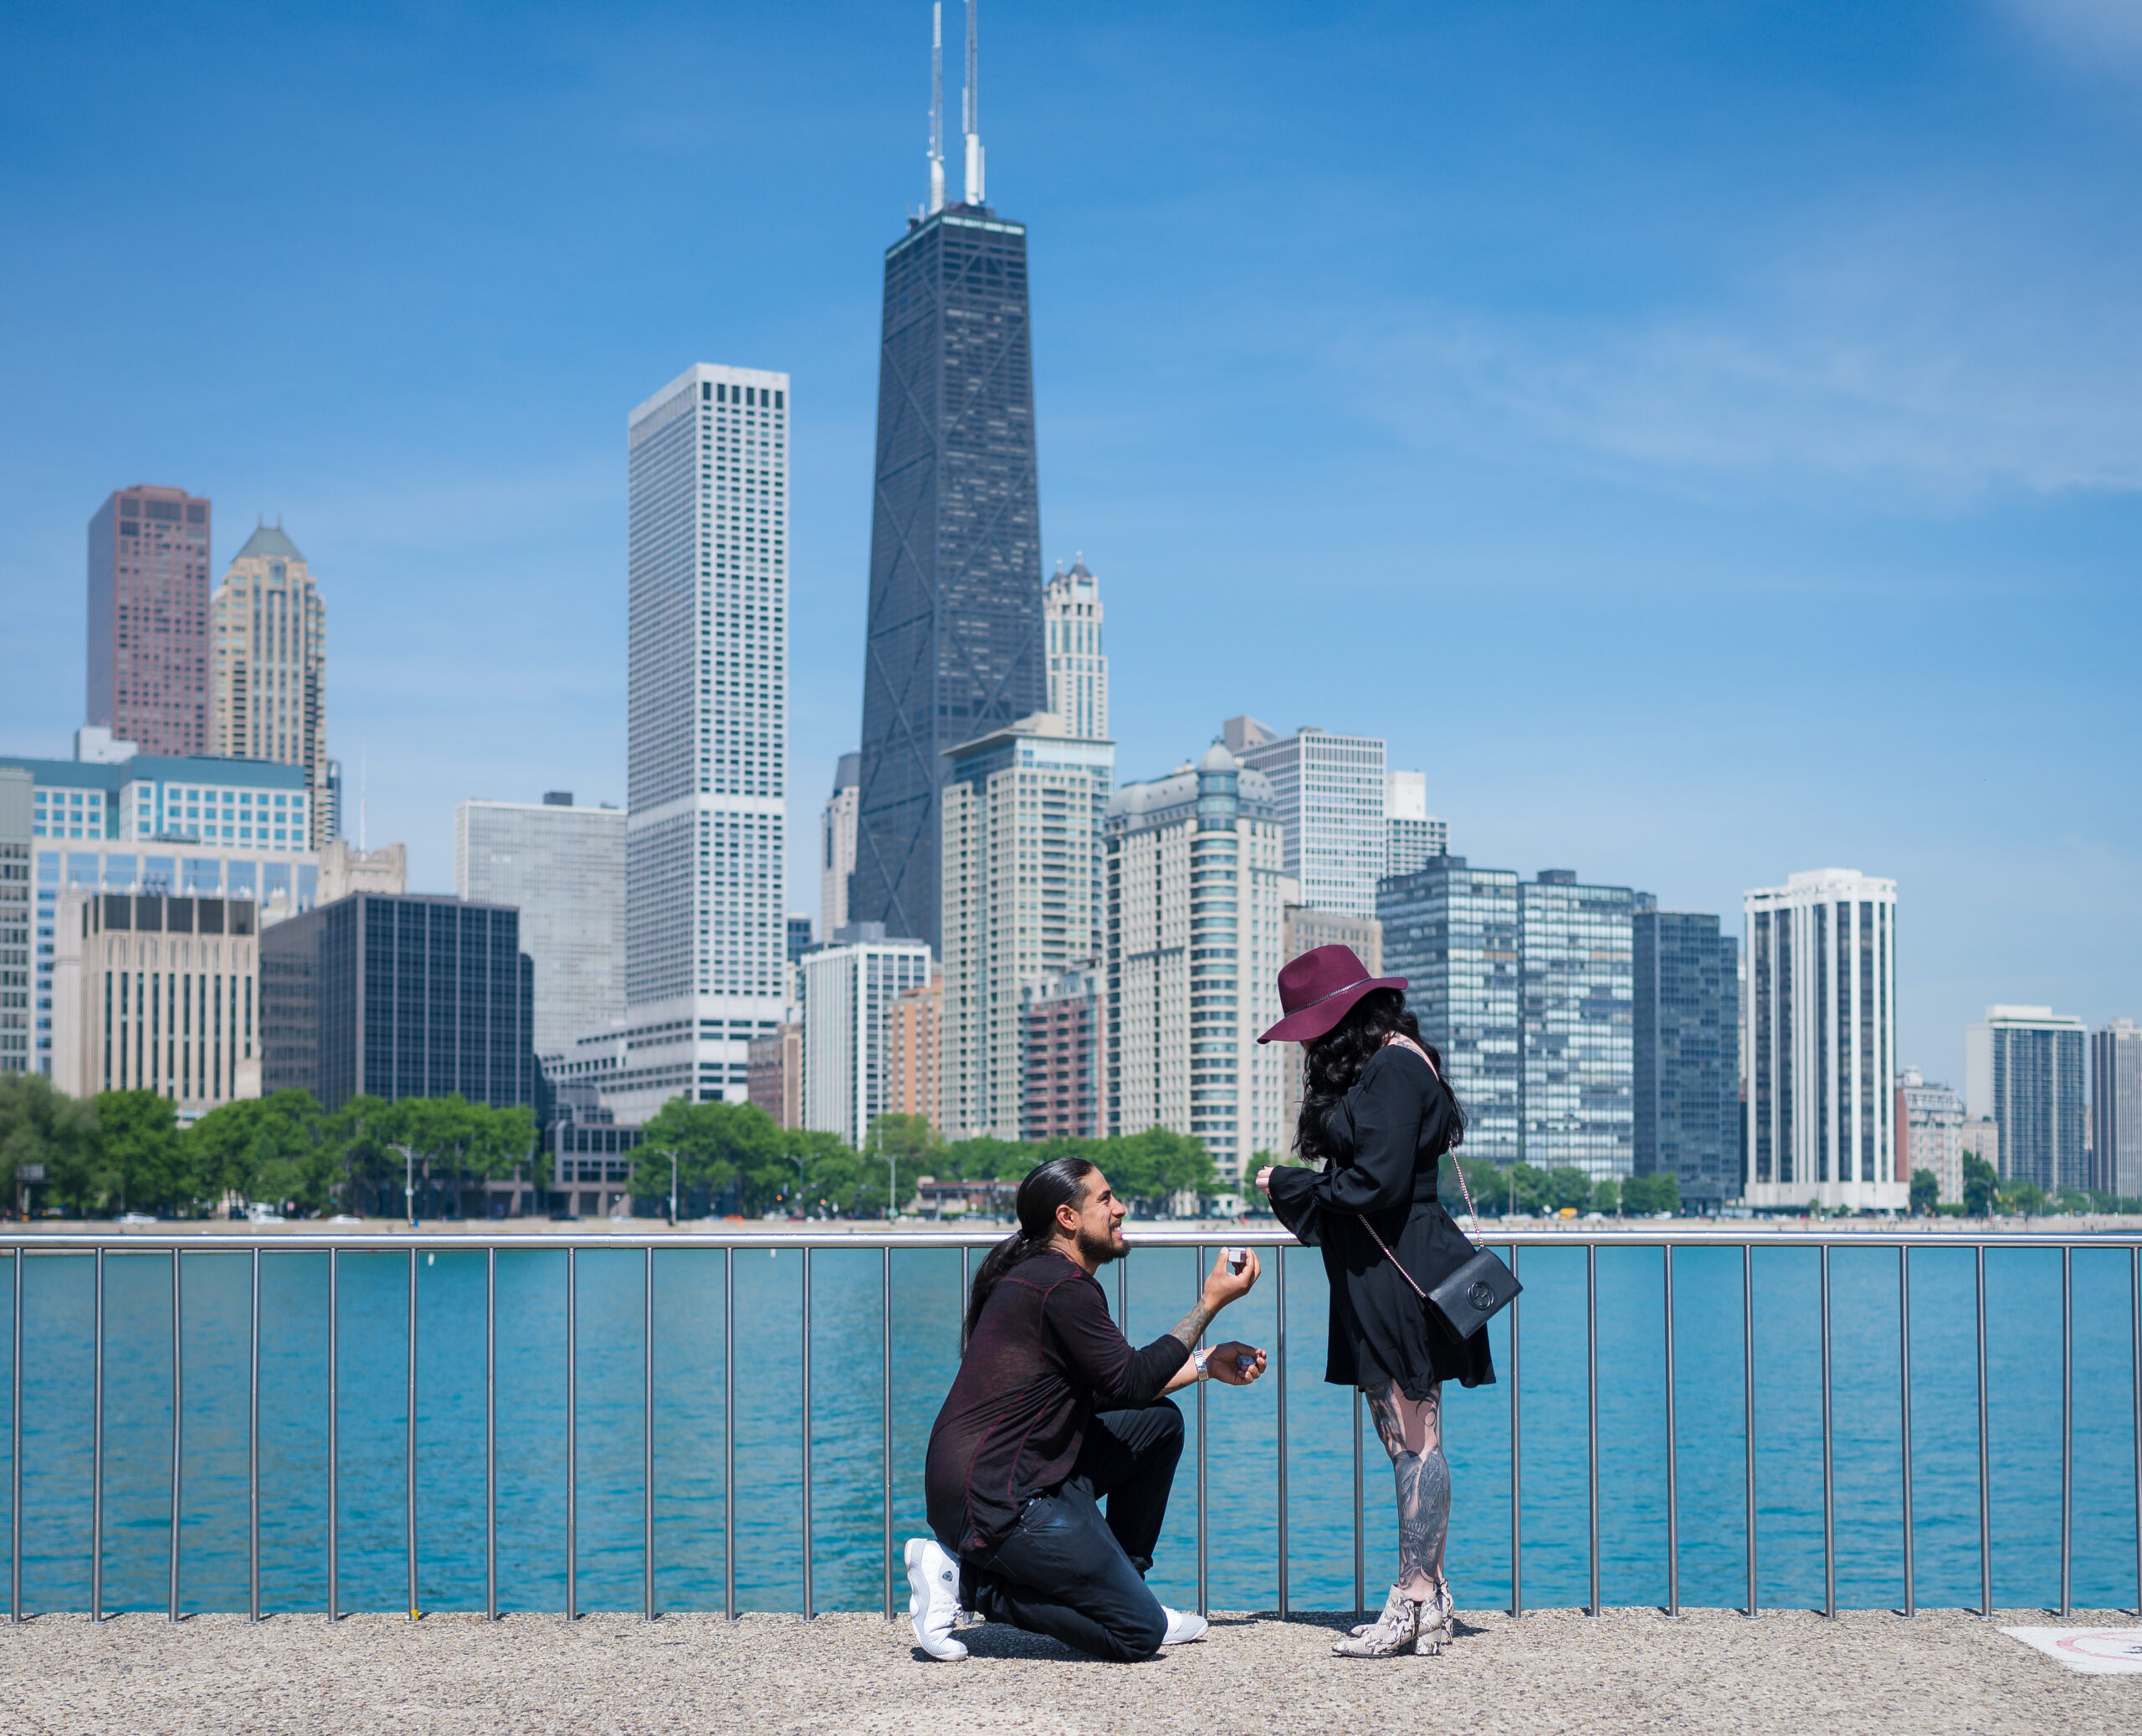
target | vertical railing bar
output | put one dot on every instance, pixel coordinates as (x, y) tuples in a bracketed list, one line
[(1748, 1402), (1592, 1404), (1516, 1463), (573, 1435), (728, 1433), (2067, 1424), (252, 1451), (2134, 1367), (1829, 1463), (334, 1434), (96, 1457), (15, 1444), (1122, 1294), (409, 1449), (966, 1290), (1279, 1352), (1360, 1558), (1196, 1278), (491, 1434), (1904, 1381), (885, 1406), (177, 1425), (1985, 1486), (809, 1612), (647, 1431), (1673, 1458)]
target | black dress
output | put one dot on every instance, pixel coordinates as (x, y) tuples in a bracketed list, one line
[(1387, 1136)]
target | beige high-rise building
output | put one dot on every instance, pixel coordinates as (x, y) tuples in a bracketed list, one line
[(1078, 668), (912, 1080), (1196, 897), (157, 993), (268, 668), (1020, 866)]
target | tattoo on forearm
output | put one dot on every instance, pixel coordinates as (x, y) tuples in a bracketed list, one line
[(1191, 1326), (1411, 1433)]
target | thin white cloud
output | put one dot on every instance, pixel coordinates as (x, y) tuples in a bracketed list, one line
[(2095, 35)]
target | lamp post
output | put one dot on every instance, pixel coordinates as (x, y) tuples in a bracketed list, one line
[(672, 1190), (409, 1183)]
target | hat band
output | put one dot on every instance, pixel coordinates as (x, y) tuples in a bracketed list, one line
[(1334, 994)]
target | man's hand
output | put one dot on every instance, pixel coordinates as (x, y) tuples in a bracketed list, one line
[(1238, 1364), (1224, 1284)]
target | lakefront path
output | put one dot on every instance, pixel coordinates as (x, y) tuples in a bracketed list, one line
[(1555, 1670)]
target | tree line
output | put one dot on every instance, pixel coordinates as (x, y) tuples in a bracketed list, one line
[(733, 1155), (124, 1151)]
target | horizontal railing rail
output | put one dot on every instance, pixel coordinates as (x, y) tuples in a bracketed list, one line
[(18, 1247)]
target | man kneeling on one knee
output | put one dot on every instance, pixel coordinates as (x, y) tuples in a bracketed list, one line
[(1052, 1411)]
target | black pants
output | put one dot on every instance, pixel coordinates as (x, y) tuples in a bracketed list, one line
[(1066, 1572)]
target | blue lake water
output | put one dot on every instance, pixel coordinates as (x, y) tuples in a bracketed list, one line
[(846, 1424)]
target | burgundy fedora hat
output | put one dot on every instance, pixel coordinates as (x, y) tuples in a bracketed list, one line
[(1318, 989)]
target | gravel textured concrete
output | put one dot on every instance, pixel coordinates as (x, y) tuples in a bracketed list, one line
[(1631, 1670)]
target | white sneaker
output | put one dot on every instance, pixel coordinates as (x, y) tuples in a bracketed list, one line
[(1184, 1625), (933, 1604)]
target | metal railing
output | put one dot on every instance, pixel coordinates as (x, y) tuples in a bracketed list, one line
[(1204, 1240)]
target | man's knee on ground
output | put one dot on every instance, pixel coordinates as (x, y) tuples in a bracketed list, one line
[(1138, 1633)]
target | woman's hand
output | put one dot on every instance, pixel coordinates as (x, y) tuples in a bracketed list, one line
[(1264, 1178), (1238, 1364)]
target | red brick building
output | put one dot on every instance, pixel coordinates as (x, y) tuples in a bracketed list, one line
[(1060, 1044), (148, 625)]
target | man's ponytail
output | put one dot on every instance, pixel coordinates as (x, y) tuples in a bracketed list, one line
[(1060, 1181)]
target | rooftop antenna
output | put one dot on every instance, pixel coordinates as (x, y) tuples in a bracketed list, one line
[(937, 107), (973, 114)]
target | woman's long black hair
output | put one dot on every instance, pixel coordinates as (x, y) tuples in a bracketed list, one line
[(1058, 1182), (1331, 1065)]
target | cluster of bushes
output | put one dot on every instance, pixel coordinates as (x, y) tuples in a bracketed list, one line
[(733, 1156), (124, 1151)]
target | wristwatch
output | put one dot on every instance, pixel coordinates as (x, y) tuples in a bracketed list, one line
[(1198, 1357)]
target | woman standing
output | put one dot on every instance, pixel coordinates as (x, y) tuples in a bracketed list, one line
[(1378, 1115)]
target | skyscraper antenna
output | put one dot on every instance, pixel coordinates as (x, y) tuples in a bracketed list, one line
[(973, 110), (937, 106)]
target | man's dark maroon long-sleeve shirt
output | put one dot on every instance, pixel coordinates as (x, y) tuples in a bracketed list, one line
[(1043, 1358)]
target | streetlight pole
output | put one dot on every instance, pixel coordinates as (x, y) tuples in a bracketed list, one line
[(409, 1184), (672, 1190)]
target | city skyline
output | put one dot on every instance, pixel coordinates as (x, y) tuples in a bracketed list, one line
[(1976, 535)]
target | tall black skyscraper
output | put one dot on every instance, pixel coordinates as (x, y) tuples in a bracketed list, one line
[(954, 644)]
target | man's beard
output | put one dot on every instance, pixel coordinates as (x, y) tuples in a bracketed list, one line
[(1101, 1249)]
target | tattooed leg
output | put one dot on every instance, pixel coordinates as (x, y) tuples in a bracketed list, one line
[(1411, 1433)]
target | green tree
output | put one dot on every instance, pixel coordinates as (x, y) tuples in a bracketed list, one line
[(143, 1167), (2025, 1198), (357, 1136), (718, 1146), (1981, 1183), (1607, 1197), (276, 1149), (1571, 1189), (1644, 1194), (1925, 1192), (40, 1127)]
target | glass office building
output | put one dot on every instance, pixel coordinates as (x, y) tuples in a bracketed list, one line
[(1451, 929), (954, 644), (399, 995), (1576, 1018), (1686, 1119)]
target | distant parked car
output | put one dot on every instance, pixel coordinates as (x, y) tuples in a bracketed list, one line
[(135, 1217), (564, 1217), (259, 1213)]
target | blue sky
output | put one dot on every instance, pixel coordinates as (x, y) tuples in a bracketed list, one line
[(1707, 437)]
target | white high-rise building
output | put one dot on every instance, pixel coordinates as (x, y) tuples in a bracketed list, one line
[(1930, 1133), (1411, 835), (849, 989), (1330, 792), (1021, 881), (563, 867), (1195, 937), (1077, 666), (2025, 1069), (706, 744), (836, 845), (1822, 1024)]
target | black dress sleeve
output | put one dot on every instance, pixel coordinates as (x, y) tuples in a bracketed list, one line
[(1396, 1094), (1096, 1354)]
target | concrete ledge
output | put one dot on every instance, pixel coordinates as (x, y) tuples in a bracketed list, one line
[(1628, 1671)]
